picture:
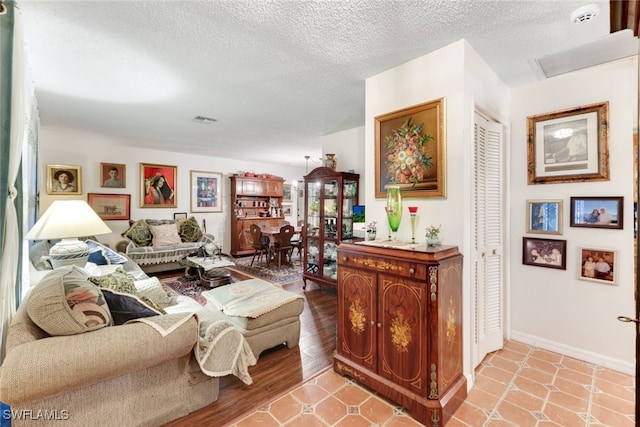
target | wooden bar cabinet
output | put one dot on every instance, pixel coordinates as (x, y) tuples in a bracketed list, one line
[(400, 325)]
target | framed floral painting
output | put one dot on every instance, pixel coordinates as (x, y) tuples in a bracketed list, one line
[(410, 150), (158, 186)]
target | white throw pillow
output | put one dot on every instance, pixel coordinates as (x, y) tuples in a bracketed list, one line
[(164, 235)]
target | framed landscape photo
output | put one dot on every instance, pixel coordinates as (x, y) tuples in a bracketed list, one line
[(410, 150), (597, 212), (206, 191), (569, 146), (64, 179), (113, 175), (550, 253), (158, 185), (110, 206), (597, 265), (544, 216)]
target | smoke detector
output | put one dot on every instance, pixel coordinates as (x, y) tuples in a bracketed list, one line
[(585, 13), (204, 119)]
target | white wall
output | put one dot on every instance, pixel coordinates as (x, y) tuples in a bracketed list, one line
[(552, 308), (458, 74), (88, 150)]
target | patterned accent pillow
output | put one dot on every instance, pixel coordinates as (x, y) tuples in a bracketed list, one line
[(122, 282), (112, 256), (164, 235), (66, 303), (139, 233), (190, 230), (160, 221)]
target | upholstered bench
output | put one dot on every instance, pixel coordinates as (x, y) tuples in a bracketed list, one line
[(265, 314)]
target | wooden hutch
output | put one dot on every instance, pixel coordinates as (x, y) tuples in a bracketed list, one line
[(255, 201), (400, 325)]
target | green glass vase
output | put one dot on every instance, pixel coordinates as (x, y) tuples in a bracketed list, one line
[(394, 210)]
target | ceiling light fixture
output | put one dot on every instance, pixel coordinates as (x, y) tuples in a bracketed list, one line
[(307, 159), (585, 13), (204, 119)]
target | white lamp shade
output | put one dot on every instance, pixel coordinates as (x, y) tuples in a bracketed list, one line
[(67, 219)]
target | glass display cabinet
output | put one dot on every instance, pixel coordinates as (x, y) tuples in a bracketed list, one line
[(328, 212)]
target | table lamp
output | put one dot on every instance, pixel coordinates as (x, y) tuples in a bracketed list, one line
[(68, 220)]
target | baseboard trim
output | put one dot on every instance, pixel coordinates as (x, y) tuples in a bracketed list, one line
[(577, 353)]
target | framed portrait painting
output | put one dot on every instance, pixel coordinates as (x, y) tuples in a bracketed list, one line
[(110, 206), (206, 191), (597, 265), (550, 253), (410, 150), (113, 175), (158, 186), (64, 179), (597, 212), (544, 216), (569, 146)]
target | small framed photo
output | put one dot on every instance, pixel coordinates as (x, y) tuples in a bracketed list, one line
[(287, 210), (550, 253), (206, 191), (110, 206), (597, 212), (286, 192), (63, 179), (569, 146), (597, 265), (113, 175), (544, 216), (180, 215), (158, 185)]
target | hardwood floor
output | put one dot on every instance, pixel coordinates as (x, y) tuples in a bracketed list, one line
[(280, 369)]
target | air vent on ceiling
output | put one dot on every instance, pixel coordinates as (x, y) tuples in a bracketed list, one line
[(618, 45), (204, 119)]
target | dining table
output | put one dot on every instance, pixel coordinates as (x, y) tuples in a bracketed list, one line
[(272, 232)]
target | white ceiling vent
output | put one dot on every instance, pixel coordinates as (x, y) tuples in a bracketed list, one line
[(618, 45), (204, 119)]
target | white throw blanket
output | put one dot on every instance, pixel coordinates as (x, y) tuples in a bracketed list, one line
[(221, 349)]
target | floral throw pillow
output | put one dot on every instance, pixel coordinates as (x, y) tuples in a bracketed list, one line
[(139, 233), (123, 283), (190, 230)]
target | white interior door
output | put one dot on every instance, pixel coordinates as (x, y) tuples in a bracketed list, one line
[(488, 262)]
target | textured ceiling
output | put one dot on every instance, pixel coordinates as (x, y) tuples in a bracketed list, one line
[(276, 75)]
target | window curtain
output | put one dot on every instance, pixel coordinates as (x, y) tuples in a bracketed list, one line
[(12, 96)]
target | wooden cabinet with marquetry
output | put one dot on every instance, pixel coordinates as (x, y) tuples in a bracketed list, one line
[(255, 201), (400, 326)]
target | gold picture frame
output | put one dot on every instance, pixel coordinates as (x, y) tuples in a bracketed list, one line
[(569, 145), (64, 179), (158, 186), (420, 168), (113, 175), (544, 216)]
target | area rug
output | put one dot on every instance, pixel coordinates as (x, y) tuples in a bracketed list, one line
[(269, 271), (186, 286)]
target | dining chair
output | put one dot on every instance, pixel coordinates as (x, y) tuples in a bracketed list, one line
[(298, 243), (282, 244), (259, 243)]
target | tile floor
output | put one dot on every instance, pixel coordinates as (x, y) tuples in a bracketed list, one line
[(519, 385)]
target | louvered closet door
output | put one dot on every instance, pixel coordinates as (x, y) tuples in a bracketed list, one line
[(488, 263)]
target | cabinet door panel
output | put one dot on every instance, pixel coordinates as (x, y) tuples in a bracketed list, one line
[(403, 336), (357, 308)]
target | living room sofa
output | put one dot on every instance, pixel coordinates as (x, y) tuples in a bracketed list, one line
[(62, 363), (160, 245)]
